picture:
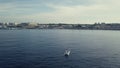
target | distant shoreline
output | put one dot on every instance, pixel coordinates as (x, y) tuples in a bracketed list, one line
[(63, 29), (96, 26)]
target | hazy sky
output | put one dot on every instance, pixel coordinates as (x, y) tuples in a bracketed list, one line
[(60, 11)]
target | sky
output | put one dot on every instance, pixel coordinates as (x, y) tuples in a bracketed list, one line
[(60, 11)]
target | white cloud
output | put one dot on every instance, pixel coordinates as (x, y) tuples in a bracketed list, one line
[(102, 10), (73, 14)]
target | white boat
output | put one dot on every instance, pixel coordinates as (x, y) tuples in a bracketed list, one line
[(67, 52)]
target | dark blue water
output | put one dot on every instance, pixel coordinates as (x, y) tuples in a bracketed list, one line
[(45, 49)]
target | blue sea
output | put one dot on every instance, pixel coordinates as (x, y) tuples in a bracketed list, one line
[(45, 48)]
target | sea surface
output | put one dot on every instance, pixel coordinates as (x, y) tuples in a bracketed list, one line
[(45, 48)]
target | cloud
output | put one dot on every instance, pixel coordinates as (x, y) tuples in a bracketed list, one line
[(65, 11), (73, 14)]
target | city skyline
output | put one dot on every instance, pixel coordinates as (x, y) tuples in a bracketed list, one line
[(64, 11)]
